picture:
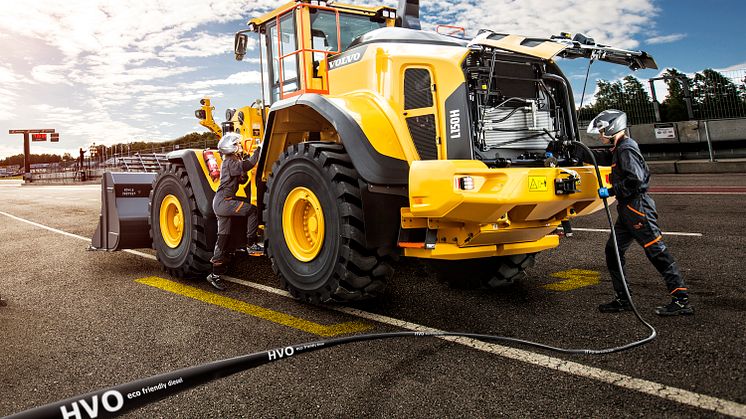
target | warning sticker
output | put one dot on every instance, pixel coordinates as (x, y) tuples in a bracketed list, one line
[(537, 184)]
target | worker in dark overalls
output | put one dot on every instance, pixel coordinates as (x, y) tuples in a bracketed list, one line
[(233, 172), (638, 219)]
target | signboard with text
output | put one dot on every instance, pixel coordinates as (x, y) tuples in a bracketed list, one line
[(665, 131)]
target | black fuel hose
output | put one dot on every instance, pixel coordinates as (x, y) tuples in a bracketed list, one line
[(121, 399)]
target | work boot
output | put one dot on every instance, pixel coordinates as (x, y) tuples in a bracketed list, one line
[(677, 307), (216, 281), (615, 306), (256, 249)]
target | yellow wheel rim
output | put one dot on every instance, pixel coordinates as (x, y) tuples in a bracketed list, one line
[(172, 221), (303, 224)]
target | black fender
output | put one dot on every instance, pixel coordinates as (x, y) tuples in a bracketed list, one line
[(203, 193), (373, 167)]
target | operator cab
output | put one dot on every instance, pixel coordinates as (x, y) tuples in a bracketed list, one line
[(298, 40)]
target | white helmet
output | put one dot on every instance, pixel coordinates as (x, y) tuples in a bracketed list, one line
[(610, 121), (230, 143)]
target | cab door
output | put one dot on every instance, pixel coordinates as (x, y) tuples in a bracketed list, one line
[(282, 57)]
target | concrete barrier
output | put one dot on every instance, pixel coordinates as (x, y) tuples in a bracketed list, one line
[(706, 166), (662, 167), (687, 132)]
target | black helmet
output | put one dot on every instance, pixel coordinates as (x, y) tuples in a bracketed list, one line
[(610, 121)]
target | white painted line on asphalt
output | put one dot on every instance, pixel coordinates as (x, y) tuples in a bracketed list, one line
[(75, 236), (651, 388), (68, 188), (665, 233)]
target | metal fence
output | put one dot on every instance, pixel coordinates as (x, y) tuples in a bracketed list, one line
[(708, 94), (110, 158), (718, 95)]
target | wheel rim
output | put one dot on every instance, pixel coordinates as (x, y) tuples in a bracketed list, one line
[(172, 221), (303, 224)]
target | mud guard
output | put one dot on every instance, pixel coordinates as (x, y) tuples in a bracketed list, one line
[(373, 167), (202, 190), (123, 221)]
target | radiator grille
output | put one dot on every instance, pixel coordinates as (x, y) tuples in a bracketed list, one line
[(511, 132), (422, 129), (417, 90)]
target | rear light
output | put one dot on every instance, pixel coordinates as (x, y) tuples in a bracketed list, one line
[(466, 183), (608, 179)]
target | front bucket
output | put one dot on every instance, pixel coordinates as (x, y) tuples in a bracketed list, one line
[(123, 221)]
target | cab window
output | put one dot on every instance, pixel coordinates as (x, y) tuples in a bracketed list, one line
[(287, 43), (324, 29)]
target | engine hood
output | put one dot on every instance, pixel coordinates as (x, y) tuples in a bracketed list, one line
[(564, 47)]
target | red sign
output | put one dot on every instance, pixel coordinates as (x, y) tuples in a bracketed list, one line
[(38, 137), (55, 137)]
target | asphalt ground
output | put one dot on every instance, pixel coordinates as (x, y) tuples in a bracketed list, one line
[(77, 321)]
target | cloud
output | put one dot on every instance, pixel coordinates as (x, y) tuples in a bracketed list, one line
[(243, 77), (52, 74), (666, 39), (120, 63), (616, 23), (734, 67), (202, 44)]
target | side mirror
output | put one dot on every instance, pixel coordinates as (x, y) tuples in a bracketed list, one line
[(200, 114), (239, 45)]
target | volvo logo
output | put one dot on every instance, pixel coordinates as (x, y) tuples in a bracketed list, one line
[(345, 60)]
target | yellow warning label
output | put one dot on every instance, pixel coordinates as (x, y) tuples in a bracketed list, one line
[(537, 183)]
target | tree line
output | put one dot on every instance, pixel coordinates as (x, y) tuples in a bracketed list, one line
[(712, 95), (194, 139)]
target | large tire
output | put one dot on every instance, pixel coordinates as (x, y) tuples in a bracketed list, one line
[(183, 248), (489, 273), (341, 268)]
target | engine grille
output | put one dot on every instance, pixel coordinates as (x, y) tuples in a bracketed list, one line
[(422, 129), (501, 135), (417, 90)]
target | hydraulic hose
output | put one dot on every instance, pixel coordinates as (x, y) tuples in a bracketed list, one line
[(653, 333), (121, 399)]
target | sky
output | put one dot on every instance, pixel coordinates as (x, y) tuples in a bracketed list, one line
[(107, 72)]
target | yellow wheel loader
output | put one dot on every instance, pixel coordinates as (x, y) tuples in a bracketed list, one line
[(383, 140)]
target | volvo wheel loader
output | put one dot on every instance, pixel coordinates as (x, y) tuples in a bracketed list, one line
[(381, 140)]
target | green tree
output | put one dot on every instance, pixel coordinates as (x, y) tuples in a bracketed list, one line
[(636, 101), (628, 95), (673, 108), (716, 96)]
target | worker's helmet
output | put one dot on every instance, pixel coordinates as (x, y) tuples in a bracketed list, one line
[(609, 121), (230, 143)]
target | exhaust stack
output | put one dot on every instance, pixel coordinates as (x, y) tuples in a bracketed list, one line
[(408, 14)]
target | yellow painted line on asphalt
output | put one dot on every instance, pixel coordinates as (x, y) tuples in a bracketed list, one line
[(574, 279), (254, 310)]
